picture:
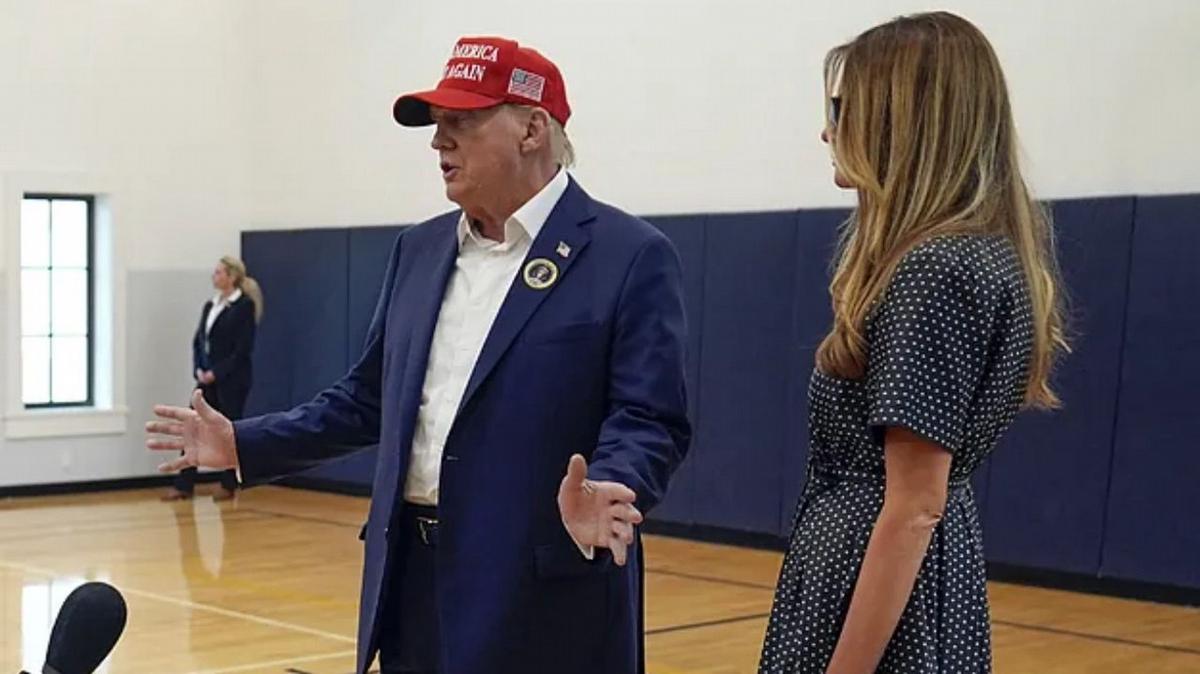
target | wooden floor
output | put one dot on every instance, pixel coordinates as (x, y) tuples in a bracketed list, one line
[(269, 585)]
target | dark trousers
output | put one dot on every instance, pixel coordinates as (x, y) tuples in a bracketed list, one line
[(408, 633), (231, 405)]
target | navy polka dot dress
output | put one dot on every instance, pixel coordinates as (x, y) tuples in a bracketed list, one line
[(949, 347)]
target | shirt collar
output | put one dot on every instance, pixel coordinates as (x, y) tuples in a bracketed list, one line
[(233, 297), (529, 219)]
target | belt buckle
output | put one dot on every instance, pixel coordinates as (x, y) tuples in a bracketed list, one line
[(427, 526)]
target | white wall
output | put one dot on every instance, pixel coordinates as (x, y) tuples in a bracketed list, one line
[(214, 116), (702, 105), (152, 94), (148, 98)]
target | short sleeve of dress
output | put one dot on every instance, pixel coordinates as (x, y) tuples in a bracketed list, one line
[(927, 348)]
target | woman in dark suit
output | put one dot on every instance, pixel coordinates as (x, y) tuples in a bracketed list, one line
[(221, 352)]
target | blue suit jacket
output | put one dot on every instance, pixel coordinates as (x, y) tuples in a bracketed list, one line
[(594, 364)]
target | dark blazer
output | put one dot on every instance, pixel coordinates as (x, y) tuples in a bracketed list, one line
[(230, 344), (593, 364)]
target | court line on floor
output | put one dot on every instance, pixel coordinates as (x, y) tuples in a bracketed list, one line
[(659, 668), (302, 518), (197, 606), (130, 520), (1032, 628), (761, 586), (232, 517), (68, 530), (1098, 637), (275, 663), (707, 623), (1023, 626), (711, 579)]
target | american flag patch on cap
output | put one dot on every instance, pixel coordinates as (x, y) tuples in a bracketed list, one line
[(526, 84)]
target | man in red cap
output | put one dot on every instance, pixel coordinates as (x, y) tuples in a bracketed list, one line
[(523, 376)]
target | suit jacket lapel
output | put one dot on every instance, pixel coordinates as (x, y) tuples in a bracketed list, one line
[(208, 307), (435, 265), (565, 225), (221, 316)]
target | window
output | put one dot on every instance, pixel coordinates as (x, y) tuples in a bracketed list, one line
[(56, 300)]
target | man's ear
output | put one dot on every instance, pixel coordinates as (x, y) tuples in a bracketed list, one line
[(537, 131)]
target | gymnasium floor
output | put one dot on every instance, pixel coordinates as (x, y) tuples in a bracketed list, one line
[(269, 585)]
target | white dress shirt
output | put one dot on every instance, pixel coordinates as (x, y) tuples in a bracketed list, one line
[(483, 273), (219, 304)]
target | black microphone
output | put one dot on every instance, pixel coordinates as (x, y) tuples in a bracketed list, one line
[(88, 626)]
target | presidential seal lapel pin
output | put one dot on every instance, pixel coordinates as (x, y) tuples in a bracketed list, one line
[(540, 273)]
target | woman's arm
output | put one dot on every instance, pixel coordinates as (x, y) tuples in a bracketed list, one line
[(199, 358), (915, 496)]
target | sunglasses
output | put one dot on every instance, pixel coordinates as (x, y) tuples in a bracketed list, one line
[(835, 110)]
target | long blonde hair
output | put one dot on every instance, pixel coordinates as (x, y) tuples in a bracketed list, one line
[(925, 134), (246, 283)]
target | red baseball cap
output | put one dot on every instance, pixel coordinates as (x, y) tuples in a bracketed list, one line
[(484, 72)]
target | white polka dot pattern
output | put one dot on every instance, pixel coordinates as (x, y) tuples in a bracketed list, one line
[(949, 346)]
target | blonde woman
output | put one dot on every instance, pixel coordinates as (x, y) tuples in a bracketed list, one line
[(221, 350), (946, 323)]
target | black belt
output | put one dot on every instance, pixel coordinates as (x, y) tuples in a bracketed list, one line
[(423, 521)]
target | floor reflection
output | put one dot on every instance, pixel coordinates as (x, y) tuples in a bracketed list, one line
[(41, 600)]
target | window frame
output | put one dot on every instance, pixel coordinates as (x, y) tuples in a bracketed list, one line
[(90, 400)]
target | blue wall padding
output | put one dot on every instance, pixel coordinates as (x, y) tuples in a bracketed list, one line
[(811, 316), (687, 234), (1105, 486), (1049, 476), (745, 369), (1153, 530)]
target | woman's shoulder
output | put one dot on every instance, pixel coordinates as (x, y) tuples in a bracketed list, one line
[(242, 304), (978, 270), (981, 261)]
